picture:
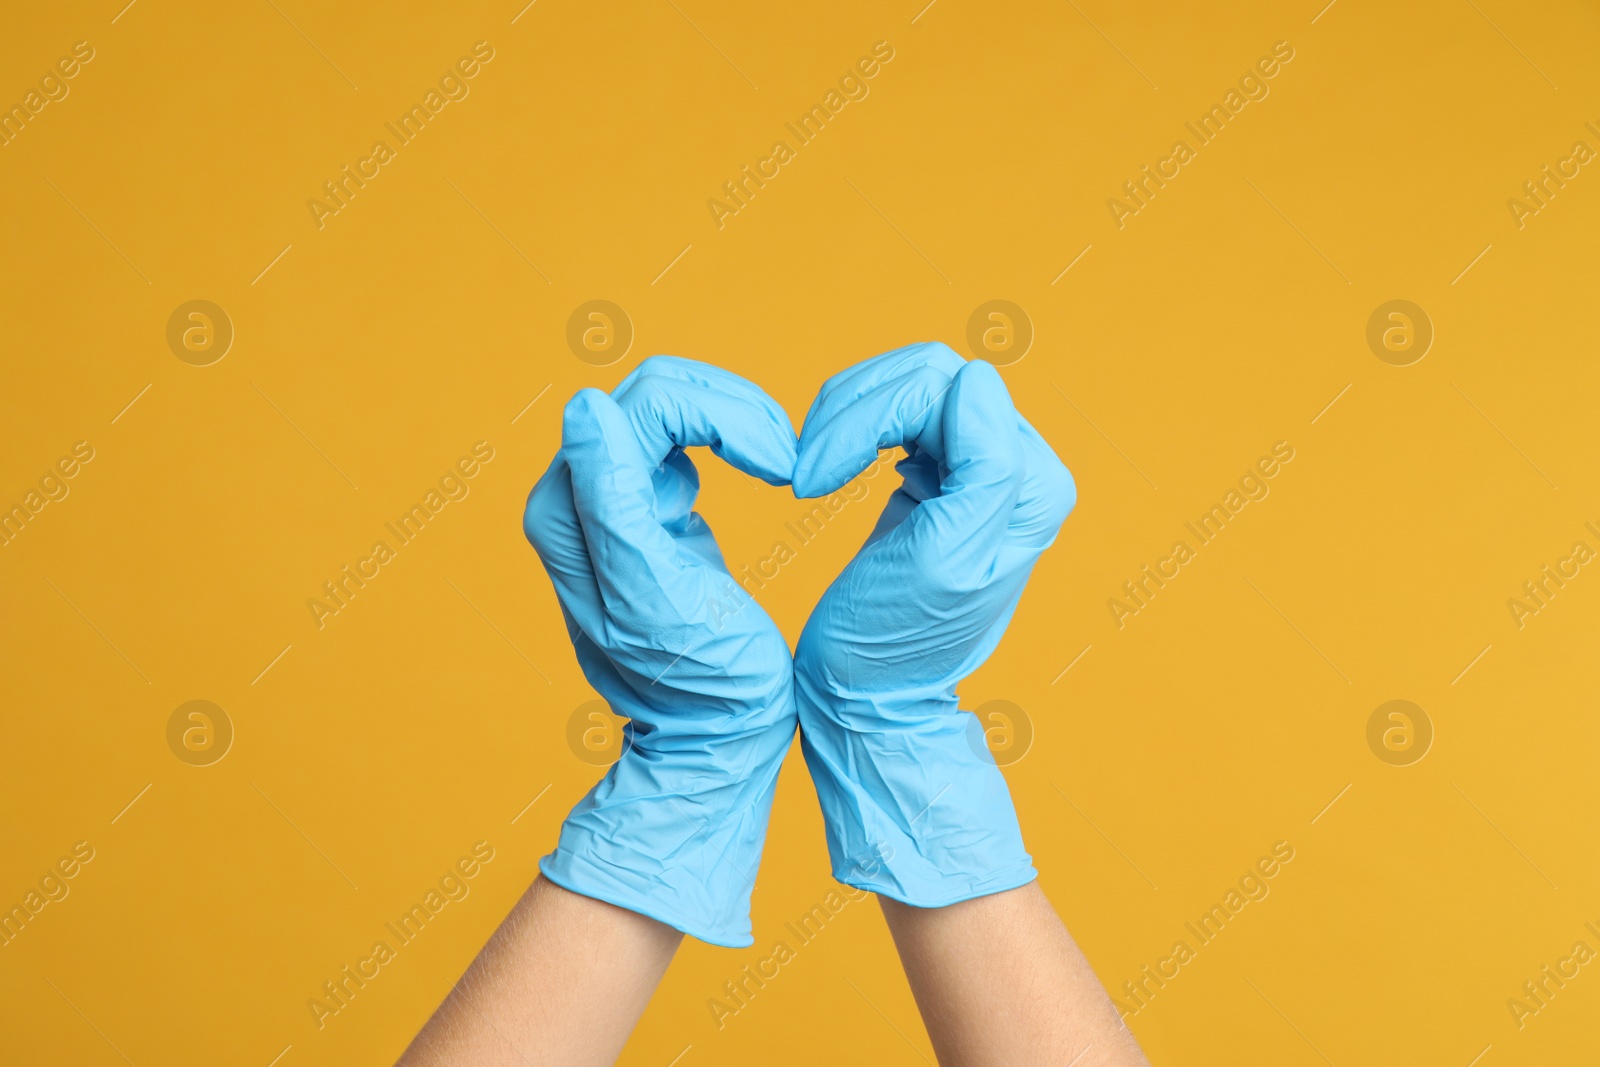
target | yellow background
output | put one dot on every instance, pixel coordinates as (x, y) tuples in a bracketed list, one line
[(1224, 317)]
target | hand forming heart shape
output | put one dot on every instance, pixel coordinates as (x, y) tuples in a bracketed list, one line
[(661, 630)]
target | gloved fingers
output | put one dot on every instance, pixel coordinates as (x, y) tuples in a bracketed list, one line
[(603, 676), (920, 481), (904, 410), (1048, 493), (957, 534), (550, 522), (720, 664), (925, 603), (1048, 482), (671, 694), (901, 504), (678, 403), (677, 484), (1046, 497), (642, 581), (852, 383), (688, 369)]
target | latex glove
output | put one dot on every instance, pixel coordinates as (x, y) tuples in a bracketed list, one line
[(915, 807), (675, 828)]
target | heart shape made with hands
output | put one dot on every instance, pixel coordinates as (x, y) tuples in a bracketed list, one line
[(673, 643), (613, 517)]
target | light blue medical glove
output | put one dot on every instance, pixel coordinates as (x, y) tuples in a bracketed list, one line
[(915, 807), (675, 828)]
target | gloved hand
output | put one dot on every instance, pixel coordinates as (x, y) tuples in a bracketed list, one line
[(662, 631), (915, 807)]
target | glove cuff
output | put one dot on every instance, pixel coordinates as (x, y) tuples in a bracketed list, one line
[(913, 812), (572, 871), (677, 838)]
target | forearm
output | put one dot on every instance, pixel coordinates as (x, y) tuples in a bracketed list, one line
[(562, 981), (999, 981)]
